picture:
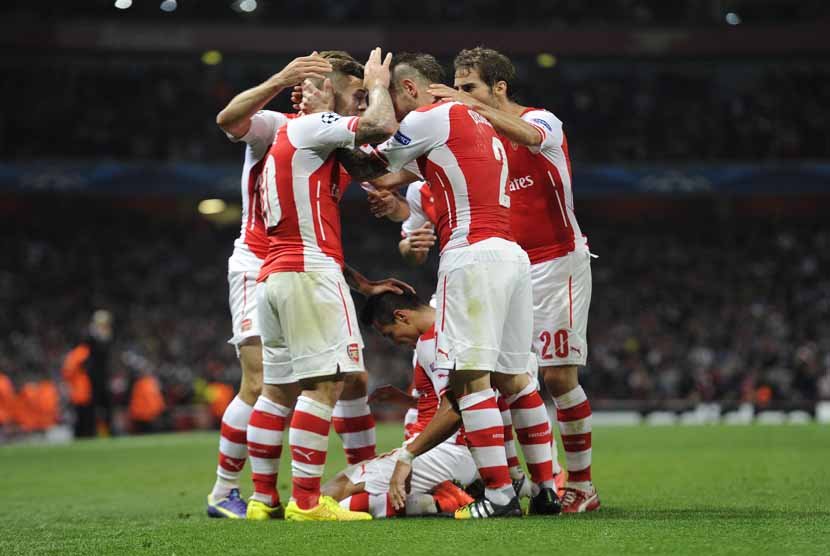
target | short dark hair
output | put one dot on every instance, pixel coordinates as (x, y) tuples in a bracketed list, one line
[(346, 66), (424, 64), (341, 63), (381, 308), (336, 55), (492, 66)]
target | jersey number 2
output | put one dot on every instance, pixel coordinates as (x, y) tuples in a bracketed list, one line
[(501, 156)]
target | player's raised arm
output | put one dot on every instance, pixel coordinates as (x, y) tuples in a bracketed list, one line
[(512, 127), (235, 118), (378, 123)]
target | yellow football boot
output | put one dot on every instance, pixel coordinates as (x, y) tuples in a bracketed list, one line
[(326, 510), (260, 511)]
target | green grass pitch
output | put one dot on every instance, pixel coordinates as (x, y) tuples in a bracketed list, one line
[(665, 490)]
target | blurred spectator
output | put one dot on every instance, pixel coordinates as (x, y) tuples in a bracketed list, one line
[(709, 302), (7, 400), (146, 404), (86, 370), (614, 111), (219, 396), (37, 407), (80, 390)]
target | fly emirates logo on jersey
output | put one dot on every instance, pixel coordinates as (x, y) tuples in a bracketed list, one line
[(521, 183)]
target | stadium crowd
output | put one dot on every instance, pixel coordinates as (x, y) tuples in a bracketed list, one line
[(726, 110), (736, 311)]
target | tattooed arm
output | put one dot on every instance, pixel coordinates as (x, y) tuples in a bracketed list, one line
[(378, 123)]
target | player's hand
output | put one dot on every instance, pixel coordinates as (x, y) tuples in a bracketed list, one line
[(375, 73), (391, 395), (382, 202), (398, 484), (317, 100), (382, 286), (422, 239), (443, 92), (297, 97), (302, 68)]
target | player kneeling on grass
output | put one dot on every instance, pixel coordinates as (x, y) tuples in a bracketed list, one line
[(406, 320)]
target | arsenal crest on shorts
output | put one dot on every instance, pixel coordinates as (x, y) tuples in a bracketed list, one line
[(354, 352)]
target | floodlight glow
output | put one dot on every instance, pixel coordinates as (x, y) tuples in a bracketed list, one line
[(247, 5), (211, 206), (169, 6), (546, 60), (733, 19), (123, 4), (212, 58)]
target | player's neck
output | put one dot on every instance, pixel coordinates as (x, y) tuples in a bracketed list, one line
[(512, 108), (424, 319)]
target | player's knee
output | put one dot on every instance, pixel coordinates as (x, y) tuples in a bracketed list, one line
[(468, 382), (282, 394), (355, 385), (324, 389), (510, 384), (560, 380)]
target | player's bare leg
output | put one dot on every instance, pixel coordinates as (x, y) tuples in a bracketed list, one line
[(484, 430), (353, 419), (574, 415), (533, 431), (265, 437), (250, 359), (224, 500)]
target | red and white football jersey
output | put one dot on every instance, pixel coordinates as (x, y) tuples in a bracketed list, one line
[(302, 186), (251, 247), (541, 194), (459, 154), (430, 385), (421, 207)]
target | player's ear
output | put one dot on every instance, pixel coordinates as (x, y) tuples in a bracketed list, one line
[(410, 87), (401, 316), (500, 88)]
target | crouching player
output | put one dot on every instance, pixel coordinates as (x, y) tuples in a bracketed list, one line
[(406, 320)]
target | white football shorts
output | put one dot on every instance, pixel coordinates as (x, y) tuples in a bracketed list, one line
[(309, 327), (242, 298), (561, 300), (485, 308)]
